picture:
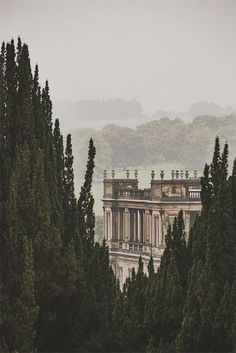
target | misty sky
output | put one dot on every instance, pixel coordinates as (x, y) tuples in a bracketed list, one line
[(166, 54)]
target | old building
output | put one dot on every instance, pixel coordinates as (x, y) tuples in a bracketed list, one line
[(136, 220)]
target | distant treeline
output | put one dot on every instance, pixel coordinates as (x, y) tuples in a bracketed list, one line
[(73, 114), (159, 141)]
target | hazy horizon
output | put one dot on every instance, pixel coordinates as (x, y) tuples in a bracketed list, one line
[(164, 54)]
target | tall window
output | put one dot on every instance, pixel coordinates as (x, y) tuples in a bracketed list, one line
[(108, 225)]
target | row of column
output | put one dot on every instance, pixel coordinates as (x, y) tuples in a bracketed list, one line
[(133, 225)]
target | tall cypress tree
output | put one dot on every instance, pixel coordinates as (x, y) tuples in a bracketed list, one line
[(20, 310), (165, 317), (86, 201), (233, 193), (129, 329), (69, 201), (24, 118), (39, 126), (212, 275), (59, 153), (11, 98)]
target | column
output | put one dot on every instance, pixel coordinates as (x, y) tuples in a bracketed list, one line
[(144, 227), (153, 219), (162, 240), (149, 216), (122, 237), (135, 226), (153, 227), (160, 230), (108, 223), (110, 226), (127, 224), (138, 223), (104, 224), (118, 224)]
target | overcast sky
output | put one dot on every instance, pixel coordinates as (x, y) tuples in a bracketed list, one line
[(166, 54)]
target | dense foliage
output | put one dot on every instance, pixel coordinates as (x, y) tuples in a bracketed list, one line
[(57, 290), (157, 142), (56, 286)]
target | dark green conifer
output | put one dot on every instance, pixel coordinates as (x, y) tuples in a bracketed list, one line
[(59, 153), (18, 278), (213, 271), (24, 118), (233, 192), (85, 202), (165, 315), (131, 335), (11, 100), (39, 125), (69, 201)]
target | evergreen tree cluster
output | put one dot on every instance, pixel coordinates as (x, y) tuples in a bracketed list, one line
[(57, 290), (56, 286), (189, 305)]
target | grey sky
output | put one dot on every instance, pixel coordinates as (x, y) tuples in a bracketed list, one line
[(166, 54)]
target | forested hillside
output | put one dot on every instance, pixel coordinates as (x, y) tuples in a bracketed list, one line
[(156, 142)]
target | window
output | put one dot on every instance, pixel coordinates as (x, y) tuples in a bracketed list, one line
[(108, 225)]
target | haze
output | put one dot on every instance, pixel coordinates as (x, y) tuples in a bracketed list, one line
[(165, 54)]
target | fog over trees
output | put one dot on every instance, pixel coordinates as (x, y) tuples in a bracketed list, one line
[(156, 142)]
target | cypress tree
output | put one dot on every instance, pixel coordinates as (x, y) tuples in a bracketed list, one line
[(69, 201), (39, 128), (20, 310), (233, 193), (151, 268), (3, 124), (11, 100), (165, 317), (56, 285), (85, 202), (215, 165), (131, 334), (59, 154), (213, 269), (47, 257), (24, 118), (4, 156)]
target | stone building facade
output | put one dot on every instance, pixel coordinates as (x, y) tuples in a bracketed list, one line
[(136, 220)]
